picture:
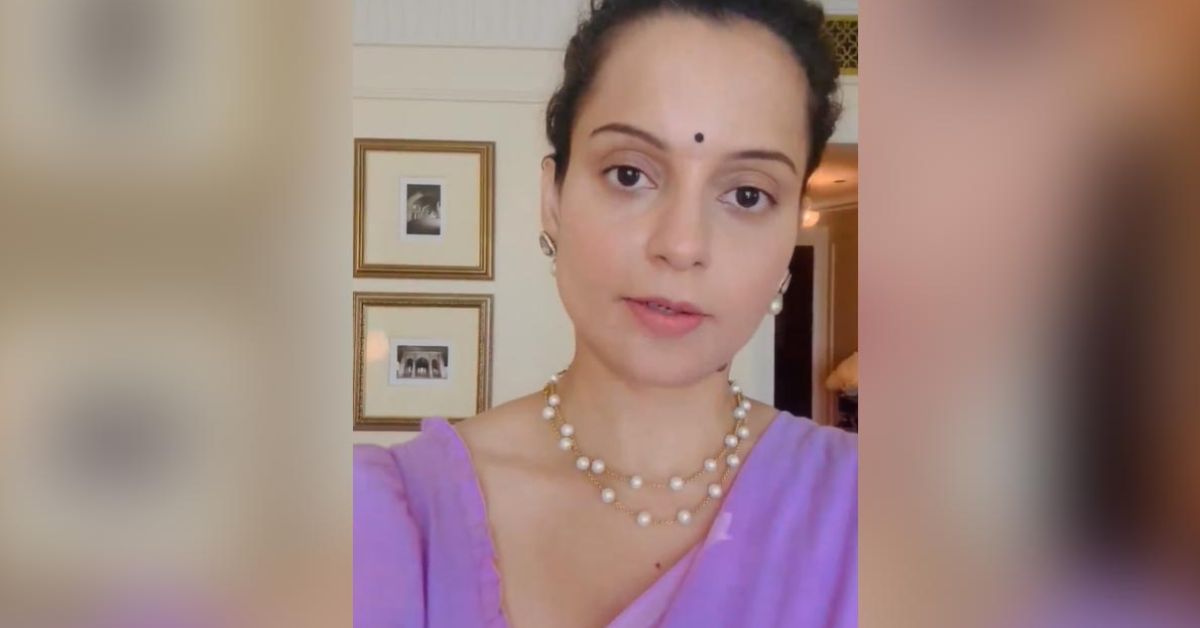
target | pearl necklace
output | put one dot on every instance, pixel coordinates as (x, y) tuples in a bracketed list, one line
[(595, 469)]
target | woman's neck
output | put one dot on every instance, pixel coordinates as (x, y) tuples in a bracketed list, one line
[(656, 431)]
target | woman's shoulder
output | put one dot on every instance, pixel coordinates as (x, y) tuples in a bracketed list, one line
[(418, 509), (389, 536), (806, 455), (387, 464), (401, 471), (829, 442), (375, 462), (422, 468), (381, 489), (502, 422)]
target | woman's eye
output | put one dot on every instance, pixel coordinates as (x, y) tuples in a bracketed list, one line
[(627, 177), (748, 198)]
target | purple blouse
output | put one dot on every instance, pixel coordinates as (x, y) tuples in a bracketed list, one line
[(782, 551)]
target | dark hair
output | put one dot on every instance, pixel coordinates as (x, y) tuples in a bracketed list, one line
[(797, 22)]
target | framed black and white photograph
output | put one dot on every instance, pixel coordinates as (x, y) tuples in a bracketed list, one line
[(423, 205), (420, 355), (419, 362), (424, 209)]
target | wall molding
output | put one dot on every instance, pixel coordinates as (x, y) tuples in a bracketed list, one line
[(536, 24), (490, 23), (516, 77), (514, 96), (525, 97)]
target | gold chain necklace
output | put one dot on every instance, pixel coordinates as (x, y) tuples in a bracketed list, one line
[(596, 470)]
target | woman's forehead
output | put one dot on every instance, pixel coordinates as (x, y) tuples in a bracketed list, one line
[(678, 75)]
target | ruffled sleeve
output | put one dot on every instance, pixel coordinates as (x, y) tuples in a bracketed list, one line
[(389, 572)]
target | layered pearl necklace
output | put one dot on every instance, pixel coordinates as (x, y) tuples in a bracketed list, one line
[(596, 471)]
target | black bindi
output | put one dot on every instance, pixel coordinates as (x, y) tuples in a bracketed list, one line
[(699, 138)]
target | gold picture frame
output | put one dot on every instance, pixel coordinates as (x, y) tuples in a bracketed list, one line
[(452, 238), (450, 329)]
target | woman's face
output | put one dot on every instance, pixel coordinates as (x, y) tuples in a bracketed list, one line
[(678, 213)]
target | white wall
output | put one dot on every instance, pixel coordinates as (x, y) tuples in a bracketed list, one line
[(493, 95), (499, 95), (847, 128)]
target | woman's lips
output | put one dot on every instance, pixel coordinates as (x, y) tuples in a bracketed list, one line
[(665, 318)]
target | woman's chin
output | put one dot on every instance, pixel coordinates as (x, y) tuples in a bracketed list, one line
[(666, 368)]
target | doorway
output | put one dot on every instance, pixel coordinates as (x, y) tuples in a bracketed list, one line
[(794, 338)]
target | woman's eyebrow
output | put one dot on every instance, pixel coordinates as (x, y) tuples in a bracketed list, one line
[(772, 155), (651, 139), (628, 129)]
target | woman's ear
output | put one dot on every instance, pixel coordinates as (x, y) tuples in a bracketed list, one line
[(550, 197)]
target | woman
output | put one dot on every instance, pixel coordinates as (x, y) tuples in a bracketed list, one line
[(639, 488)]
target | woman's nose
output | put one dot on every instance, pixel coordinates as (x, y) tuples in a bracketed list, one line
[(681, 232)]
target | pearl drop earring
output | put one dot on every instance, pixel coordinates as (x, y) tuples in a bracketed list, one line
[(776, 306), (549, 249)]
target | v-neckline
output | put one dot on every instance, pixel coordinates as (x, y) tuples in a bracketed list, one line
[(684, 563)]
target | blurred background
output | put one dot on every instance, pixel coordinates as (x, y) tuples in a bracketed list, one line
[(1028, 288), (176, 325), (174, 368)]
